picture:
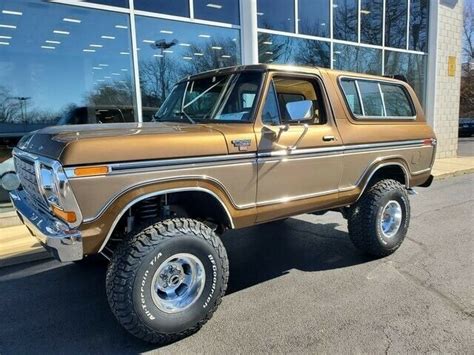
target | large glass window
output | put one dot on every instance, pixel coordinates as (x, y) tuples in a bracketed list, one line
[(171, 50), (419, 25), (371, 18), (217, 10), (345, 22), (63, 64), (396, 12), (313, 17), (290, 50), (357, 59), (411, 66), (276, 15), (121, 3), (174, 7)]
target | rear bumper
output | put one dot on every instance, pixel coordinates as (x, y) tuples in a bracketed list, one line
[(64, 243)]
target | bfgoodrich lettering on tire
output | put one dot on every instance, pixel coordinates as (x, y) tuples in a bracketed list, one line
[(166, 281), (379, 221)]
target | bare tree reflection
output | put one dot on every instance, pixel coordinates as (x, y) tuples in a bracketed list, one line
[(396, 13), (345, 19)]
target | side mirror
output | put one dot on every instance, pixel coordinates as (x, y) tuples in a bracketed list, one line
[(300, 110)]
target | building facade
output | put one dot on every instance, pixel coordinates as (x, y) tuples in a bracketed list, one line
[(99, 61)]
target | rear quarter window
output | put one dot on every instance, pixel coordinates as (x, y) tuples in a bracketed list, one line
[(372, 99)]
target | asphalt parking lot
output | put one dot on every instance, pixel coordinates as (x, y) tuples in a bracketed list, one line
[(297, 286), (466, 146)]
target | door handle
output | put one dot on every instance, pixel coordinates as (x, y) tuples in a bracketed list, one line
[(329, 138)]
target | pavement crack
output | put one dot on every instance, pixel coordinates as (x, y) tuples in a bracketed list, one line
[(442, 208), (439, 294), (389, 340)]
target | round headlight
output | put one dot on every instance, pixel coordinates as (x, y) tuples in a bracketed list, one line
[(10, 181)]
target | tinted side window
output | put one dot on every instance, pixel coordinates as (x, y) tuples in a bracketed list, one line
[(270, 114), (371, 98), (396, 101), (350, 91), (379, 99)]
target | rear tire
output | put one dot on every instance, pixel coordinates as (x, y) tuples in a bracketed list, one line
[(379, 221), (165, 282)]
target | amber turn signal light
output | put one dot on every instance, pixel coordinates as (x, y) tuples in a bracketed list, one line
[(64, 215), (91, 170)]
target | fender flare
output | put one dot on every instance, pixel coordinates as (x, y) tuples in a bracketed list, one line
[(142, 197)]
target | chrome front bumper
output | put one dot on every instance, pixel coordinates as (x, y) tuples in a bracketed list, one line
[(64, 243)]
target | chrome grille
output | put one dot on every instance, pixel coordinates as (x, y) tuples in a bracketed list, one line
[(25, 169)]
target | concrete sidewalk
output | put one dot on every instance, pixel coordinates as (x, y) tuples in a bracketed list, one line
[(18, 246)]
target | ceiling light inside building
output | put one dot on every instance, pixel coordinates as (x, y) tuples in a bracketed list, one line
[(59, 32), (187, 58), (269, 53), (124, 69), (96, 45), (10, 12), (158, 55), (260, 13), (103, 65), (107, 37), (116, 74), (365, 12), (184, 44), (268, 43), (226, 56), (6, 37), (72, 20), (205, 36), (214, 6), (217, 48), (7, 26), (97, 68), (167, 32), (199, 54), (48, 47), (121, 27), (4, 43), (148, 41), (125, 53), (167, 51), (89, 50), (52, 42)]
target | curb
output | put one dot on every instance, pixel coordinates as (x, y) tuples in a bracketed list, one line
[(442, 176)]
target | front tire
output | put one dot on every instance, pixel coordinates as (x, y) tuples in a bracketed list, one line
[(165, 282), (379, 221)]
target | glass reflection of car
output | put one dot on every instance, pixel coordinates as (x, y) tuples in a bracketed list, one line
[(97, 114), (466, 127)]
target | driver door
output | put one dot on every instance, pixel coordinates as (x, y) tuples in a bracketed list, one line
[(299, 159)]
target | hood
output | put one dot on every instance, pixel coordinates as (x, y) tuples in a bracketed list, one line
[(106, 143)]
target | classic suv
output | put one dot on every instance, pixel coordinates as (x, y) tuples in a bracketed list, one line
[(229, 148)]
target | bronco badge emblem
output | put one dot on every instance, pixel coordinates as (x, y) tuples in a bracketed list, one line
[(242, 144)]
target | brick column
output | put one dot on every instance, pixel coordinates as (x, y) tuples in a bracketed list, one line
[(446, 93)]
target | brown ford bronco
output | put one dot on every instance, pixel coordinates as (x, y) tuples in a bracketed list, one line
[(228, 148)]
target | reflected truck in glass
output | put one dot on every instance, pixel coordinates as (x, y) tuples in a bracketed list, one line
[(228, 149)]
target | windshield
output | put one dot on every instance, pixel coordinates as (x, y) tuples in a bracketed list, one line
[(220, 98)]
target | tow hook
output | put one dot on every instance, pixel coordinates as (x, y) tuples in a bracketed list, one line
[(412, 191)]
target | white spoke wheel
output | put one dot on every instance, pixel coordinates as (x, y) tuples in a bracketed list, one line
[(378, 221), (165, 282)]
